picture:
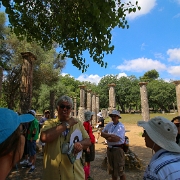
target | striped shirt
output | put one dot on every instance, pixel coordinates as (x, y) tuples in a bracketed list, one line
[(164, 165)]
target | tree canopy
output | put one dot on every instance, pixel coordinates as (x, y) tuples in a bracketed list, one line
[(75, 25)]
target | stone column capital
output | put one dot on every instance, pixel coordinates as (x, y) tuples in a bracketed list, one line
[(143, 83), (112, 85), (82, 86), (176, 82)]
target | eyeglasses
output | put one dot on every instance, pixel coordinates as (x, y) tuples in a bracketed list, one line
[(23, 131), (177, 124), (62, 106), (113, 116)]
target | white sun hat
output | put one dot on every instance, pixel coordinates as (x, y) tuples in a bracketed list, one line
[(163, 132), (115, 112)]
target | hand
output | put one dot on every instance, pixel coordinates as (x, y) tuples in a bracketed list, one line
[(77, 147), (88, 150), (72, 121)]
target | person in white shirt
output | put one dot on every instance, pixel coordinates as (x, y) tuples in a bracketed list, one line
[(160, 135), (114, 133)]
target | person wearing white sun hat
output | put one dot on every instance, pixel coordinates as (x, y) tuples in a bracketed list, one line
[(160, 135), (114, 133)]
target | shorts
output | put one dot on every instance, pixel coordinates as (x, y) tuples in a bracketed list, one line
[(31, 147), (116, 161), (90, 156)]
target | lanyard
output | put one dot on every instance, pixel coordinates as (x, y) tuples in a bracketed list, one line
[(113, 128)]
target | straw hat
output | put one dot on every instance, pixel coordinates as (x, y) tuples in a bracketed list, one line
[(163, 132)]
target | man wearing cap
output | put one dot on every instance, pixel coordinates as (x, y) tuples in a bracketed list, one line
[(160, 135), (12, 139), (114, 133)]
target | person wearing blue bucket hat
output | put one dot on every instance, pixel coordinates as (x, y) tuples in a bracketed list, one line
[(11, 139)]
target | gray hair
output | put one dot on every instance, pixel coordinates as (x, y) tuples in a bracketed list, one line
[(65, 98)]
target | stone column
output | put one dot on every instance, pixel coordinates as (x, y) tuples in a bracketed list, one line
[(104, 113), (52, 103), (81, 108), (26, 81), (97, 106), (89, 100), (144, 101), (94, 108), (177, 83), (75, 107), (112, 100)]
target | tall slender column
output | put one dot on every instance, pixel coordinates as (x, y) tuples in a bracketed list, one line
[(75, 107), (89, 100), (144, 101), (177, 83), (94, 108), (82, 98), (112, 100), (97, 106), (26, 81)]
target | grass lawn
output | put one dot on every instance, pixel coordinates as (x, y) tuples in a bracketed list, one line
[(133, 118)]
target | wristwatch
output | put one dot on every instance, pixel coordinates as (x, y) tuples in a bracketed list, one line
[(67, 125)]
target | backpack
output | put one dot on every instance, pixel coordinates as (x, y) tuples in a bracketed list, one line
[(126, 144)]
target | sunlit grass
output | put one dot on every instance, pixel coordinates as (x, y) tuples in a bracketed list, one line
[(133, 118)]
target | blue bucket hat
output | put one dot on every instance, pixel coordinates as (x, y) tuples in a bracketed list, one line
[(88, 115), (9, 122)]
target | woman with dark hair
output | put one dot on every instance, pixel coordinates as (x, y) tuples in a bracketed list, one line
[(11, 139)]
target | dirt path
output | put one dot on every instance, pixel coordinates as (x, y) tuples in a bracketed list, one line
[(97, 172)]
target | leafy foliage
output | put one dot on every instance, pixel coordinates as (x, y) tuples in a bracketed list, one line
[(150, 75), (75, 25)]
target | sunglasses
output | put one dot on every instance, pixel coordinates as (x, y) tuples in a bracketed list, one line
[(62, 106), (177, 125), (113, 116)]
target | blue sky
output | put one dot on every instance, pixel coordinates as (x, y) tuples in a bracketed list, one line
[(151, 42)]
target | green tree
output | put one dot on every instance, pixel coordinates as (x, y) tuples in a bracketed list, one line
[(5, 54), (46, 68), (150, 75), (75, 25), (161, 95)]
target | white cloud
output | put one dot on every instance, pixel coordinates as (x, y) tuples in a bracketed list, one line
[(178, 1), (91, 78), (121, 75), (159, 55), (177, 15), (63, 74), (146, 7), (174, 54), (141, 65), (174, 70)]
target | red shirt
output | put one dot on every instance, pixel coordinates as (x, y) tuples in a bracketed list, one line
[(88, 128)]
